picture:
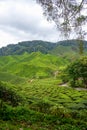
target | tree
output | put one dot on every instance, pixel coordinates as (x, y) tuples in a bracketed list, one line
[(77, 72), (68, 15)]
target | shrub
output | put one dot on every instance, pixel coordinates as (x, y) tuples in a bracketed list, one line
[(77, 71), (9, 95)]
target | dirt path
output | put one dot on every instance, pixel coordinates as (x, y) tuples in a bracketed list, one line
[(79, 89)]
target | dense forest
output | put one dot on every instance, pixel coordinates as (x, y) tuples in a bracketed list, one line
[(42, 46)]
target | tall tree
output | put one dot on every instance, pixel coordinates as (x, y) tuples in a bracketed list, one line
[(69, 16)]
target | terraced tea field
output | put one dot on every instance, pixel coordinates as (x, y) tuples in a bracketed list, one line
[(45, 102)]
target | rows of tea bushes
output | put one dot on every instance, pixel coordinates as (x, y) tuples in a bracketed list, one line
[(45, 105)]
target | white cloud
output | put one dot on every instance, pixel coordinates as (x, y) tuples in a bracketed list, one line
[(24, 20)]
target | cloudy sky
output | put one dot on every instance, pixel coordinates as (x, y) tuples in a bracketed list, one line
[(22, 20)]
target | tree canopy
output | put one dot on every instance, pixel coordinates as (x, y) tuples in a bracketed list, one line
[(77, 72), (69, 16)]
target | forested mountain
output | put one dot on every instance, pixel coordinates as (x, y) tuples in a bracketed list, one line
[(42, 46), (27, 46)]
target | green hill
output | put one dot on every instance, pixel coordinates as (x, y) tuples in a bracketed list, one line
[(34, 65), (11, 78), (27, 46), (65, 51), (58, 48), (68, 48)]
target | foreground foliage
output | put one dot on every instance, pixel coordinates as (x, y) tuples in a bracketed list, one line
[(77, 72), (9, 95), (47, 106)]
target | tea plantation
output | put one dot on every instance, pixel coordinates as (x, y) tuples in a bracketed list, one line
[(33, 95)]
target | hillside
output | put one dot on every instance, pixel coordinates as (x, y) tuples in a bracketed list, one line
[(27, 46), (68, 48), (32, 97), (59, 48), (34, 65)]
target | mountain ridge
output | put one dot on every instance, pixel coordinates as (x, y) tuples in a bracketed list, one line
[(38, 45)]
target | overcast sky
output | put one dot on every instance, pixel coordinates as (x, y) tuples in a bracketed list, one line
[(23, 20)]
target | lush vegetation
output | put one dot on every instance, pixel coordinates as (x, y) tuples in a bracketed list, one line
[(36, 92), (27, 46), (59, 48), (45, 105), (77, 72), (34, 65)]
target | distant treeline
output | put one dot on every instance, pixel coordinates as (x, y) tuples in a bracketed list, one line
[(35, 46)]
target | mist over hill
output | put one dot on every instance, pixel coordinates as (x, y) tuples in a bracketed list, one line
[(58, 48)]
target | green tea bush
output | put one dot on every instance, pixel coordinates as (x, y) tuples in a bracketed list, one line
[(41, 106), (59, 110), (63, 75), (6, 112), (23, 115), (9, 95), (7, 125)]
